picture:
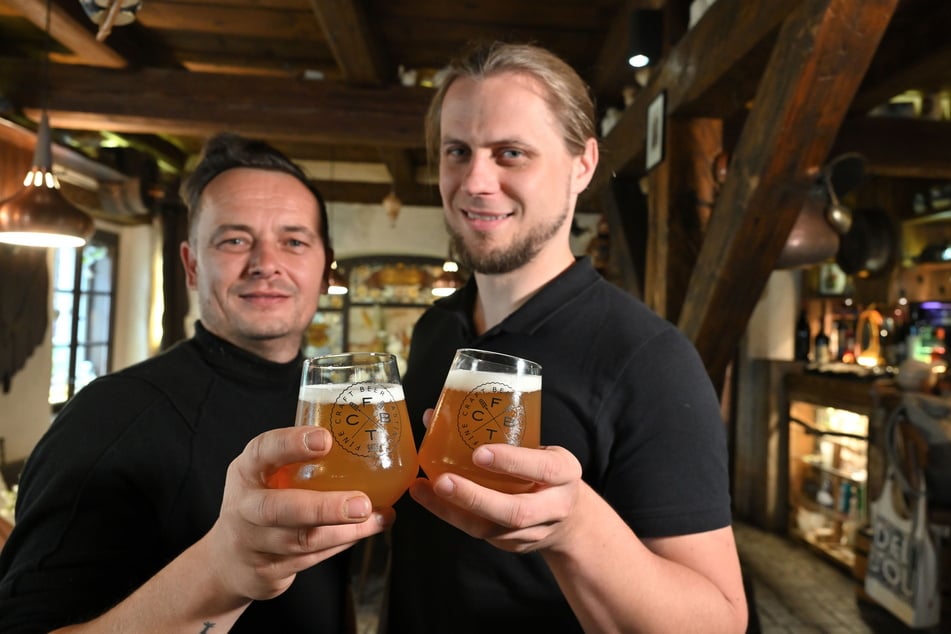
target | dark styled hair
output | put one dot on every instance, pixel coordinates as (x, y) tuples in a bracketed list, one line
[(566, 93), (226, 151)]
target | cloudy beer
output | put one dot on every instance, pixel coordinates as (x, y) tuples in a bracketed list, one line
[(373, 449), (478, 407)]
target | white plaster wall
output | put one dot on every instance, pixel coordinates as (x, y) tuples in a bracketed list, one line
[(771, 330), (356, 230)]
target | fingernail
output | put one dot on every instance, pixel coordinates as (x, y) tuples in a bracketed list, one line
[(444, 487), (358, 508), (483, 457), (314, 440)]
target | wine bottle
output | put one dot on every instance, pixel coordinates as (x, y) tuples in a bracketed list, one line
[(822, 344), (803, 337)]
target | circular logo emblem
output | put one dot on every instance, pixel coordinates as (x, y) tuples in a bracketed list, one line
[(492, 412), (365, 420)]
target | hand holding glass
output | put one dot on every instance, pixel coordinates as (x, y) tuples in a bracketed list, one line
[(359, 399), (488, 397)]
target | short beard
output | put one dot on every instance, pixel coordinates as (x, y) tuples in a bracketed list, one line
[(511, 259)]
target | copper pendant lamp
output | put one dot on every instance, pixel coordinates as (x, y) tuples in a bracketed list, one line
[(38, 215)]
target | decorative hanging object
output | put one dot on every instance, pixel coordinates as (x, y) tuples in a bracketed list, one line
[(38, 215), (110, 13), (392, 205)]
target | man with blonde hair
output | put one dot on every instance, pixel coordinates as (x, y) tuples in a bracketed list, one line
[(628, 525)]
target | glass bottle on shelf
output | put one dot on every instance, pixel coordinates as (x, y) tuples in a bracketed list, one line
[(821, 347), (803, 337)]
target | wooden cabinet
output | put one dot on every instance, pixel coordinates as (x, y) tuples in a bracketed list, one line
[(834, 457)]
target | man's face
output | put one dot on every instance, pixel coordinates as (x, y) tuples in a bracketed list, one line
[(507, 179), (257, 260)]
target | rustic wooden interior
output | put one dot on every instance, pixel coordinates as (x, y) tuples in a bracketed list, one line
[(777, 86)]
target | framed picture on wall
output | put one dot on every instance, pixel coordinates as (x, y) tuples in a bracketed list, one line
[(656, 118)]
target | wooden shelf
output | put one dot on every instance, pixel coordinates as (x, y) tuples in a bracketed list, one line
[(812, 460), (940, 216), (928, 267)]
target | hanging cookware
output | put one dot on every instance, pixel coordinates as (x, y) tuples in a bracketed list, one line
[(868, 248)]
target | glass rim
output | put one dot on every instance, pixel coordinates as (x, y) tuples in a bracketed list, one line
[(339, 360), (502, 359)]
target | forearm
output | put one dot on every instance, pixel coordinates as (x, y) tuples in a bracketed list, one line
[(615, 583), (186, 596)]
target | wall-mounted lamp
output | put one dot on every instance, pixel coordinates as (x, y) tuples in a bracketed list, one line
[(646, 37), (449, 281)]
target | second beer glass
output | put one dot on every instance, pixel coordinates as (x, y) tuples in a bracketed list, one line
[(488, 397), (358, 397)]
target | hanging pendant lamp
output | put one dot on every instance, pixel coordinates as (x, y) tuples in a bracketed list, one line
[(38, 215)]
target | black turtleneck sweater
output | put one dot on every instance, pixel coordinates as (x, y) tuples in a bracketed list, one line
[(131, 473)]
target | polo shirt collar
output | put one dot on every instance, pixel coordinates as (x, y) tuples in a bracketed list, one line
[(551, 299)]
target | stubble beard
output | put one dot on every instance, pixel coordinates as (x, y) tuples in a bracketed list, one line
[(505, 259)]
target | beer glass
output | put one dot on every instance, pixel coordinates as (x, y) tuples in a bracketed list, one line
[(488, 397), (358, 397)]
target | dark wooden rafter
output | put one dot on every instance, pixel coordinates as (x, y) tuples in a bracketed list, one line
[(84, 98), (71, 33), (359, 57), (348, 34), (699, 64), (405, 183), (820, 57), (682, 193), (904, 63), (896, 147)]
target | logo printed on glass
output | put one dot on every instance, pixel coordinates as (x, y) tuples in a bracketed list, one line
[(365, 420), (492, 412)]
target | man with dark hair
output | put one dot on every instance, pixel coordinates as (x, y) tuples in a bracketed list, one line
[(627, 527), (143, 508)]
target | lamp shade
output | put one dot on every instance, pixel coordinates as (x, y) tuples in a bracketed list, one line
[(336, 283), (646, 37), (38, 215)]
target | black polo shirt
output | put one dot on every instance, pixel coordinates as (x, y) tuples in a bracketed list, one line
[(622, 389)]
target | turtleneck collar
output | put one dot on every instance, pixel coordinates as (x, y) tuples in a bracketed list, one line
[(242, 366)]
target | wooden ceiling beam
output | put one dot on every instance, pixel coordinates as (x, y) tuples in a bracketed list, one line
[(820, 57), (928, 71), (901, 148), (69, 32), (914, 54), (404, 174), (172, 101), (373, 193), (691, 69), (360, 59), (347, 31)]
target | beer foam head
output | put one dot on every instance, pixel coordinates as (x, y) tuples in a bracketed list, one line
[(328, 393), (468, 380)]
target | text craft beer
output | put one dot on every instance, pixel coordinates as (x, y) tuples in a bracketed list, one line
[(477, 408), (373, 449)]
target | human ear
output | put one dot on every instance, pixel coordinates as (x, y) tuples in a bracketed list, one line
[(190, 264), (584, 166)]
